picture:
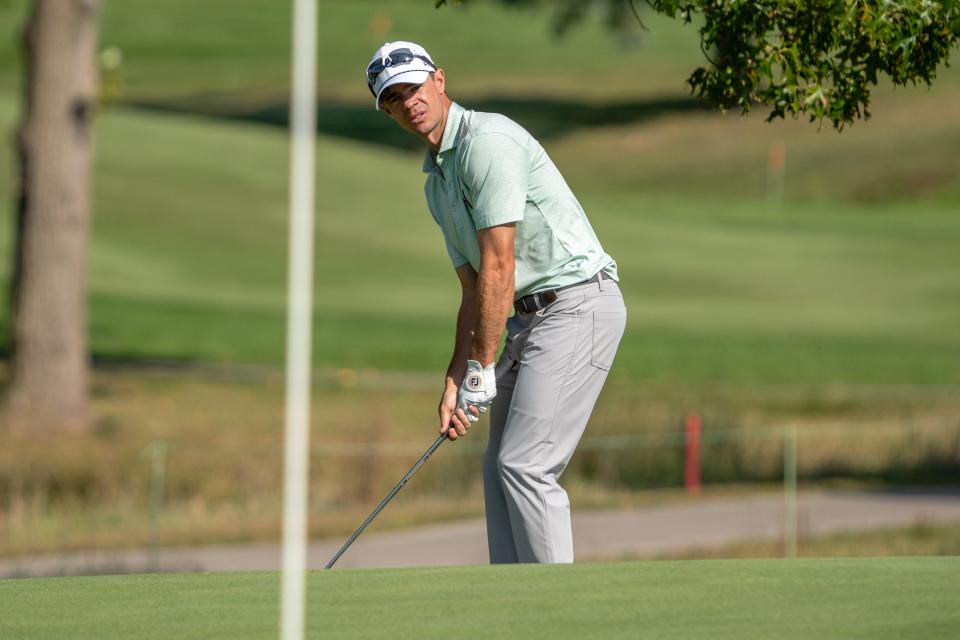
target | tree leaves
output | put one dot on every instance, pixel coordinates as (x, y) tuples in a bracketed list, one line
[(813, 58), (818, 58)]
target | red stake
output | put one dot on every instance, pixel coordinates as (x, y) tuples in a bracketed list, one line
[(691, 474)]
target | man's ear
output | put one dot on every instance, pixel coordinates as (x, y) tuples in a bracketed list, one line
[(439, 79)]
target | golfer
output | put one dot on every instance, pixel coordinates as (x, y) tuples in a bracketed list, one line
[(518, 239)]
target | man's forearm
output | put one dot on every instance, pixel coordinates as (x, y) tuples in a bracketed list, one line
[(466, 324), (495, 287)]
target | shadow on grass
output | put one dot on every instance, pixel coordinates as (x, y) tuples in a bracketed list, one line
[(545, 118)]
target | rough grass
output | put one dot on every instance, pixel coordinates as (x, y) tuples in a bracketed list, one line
[(223, 431), (899, 598)]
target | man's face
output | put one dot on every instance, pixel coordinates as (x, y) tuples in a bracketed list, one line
[(417, 108)]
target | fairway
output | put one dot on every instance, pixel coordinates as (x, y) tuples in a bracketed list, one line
[(188, 263), (823, 598)]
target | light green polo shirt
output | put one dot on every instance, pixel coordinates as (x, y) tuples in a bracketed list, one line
[(489, 171)]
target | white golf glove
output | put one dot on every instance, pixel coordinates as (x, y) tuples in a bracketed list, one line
[(479, 388)]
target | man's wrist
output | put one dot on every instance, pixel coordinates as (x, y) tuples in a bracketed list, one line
[(482, 356)]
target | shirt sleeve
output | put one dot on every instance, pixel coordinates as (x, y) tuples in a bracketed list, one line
[(493, 174)]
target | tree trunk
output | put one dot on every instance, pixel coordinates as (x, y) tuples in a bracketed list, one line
[(50, 366)]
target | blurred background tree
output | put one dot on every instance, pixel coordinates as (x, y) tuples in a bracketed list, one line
[(818, 59), (50, 368)]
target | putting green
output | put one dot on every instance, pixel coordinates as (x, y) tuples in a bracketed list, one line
[(820, 598)]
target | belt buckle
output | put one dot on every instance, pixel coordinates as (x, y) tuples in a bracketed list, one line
[(535, 301)]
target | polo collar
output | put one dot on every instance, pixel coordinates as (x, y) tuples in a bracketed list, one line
[(433, 160)]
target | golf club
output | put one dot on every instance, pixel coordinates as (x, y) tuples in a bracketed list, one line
[(389, 497)]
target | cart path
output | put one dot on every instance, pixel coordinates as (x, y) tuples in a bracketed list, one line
[(647, 531)]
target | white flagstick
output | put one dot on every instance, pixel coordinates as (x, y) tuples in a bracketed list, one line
[(299, 316)]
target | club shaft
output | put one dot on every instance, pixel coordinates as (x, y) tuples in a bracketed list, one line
[(386, 500)]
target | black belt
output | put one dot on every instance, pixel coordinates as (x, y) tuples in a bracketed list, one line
[(537, 301)]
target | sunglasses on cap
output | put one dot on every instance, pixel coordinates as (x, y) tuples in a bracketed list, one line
[(394, 58)]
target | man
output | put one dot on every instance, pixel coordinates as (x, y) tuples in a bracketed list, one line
[(517, 238)]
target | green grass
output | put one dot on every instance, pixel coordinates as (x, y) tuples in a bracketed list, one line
[(851, 280), (240, 49), (900, 598), (189, 260)]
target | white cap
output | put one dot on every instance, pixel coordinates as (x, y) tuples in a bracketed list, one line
[(398, 62)]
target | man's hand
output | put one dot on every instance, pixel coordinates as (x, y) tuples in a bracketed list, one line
[(454, 421), (478, 389)]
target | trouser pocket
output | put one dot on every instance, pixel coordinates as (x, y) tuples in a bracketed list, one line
[(608, 327)]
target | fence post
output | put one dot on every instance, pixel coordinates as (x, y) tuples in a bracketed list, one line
[(691, 475), (790, 491), (158, 472)]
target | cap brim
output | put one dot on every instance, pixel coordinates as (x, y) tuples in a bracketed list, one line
[(413, 76)]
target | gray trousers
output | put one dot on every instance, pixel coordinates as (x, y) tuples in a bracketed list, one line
[(549, 375)]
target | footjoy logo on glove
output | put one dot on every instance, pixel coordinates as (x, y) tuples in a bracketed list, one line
[(474, 383)]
